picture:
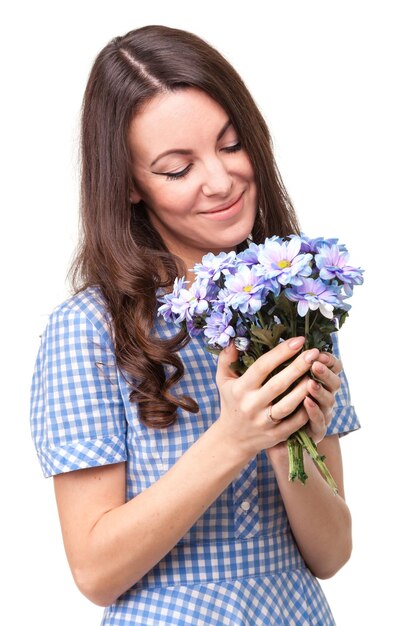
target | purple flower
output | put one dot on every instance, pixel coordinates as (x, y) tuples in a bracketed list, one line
[(313, 245), (332, 263), (314, 294), (218, 329), (192, 329), (283, 261), (191, 302), (242, 343), (244, 290), (249, 256), (166, 309), (212, 265)]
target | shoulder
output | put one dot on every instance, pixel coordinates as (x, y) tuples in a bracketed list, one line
[(86, 308)]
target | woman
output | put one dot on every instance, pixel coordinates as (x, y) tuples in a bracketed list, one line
[(171, 474)]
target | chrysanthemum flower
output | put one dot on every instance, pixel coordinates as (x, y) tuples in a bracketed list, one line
[(313, 245), (212, 266), (218, 329), (332, 263), (245, 290), (283, 261), (190, 302), (166, 308), (249, 256), (314, 294)]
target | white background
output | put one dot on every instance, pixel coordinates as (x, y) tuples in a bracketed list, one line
[(336, 83)]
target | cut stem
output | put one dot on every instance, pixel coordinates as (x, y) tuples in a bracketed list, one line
[(308, 444)]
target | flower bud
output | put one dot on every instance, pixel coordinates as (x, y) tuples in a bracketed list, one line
[(242, 343)]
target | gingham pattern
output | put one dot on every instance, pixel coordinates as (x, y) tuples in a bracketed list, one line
[(238, 564)]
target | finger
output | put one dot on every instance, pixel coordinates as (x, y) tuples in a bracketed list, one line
[(290, 401), (290, 374), (226, 358), (329, 379), (290, 425), (330, 361), (324, 398), (317, 424), (263, 366)]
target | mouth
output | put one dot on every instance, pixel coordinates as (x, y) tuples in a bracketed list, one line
[(226, 210)]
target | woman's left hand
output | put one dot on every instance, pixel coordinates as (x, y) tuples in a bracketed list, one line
[(319, 407)]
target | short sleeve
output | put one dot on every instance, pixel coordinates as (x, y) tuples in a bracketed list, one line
[(344, 418), (77, 412)]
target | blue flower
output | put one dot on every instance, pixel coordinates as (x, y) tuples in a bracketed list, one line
[(191, 302), (249, 256), (218, 329), (192, 329), (313, 245), (281, 259), (212, 265), (314, 294), (244, 290), (242, 343), (332, 263), (168, 299)]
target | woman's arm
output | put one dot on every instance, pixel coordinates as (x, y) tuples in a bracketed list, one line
[(320, 521), (111, 543)]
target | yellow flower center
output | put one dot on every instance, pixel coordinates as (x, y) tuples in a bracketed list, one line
[(284, 263), (248, 288)]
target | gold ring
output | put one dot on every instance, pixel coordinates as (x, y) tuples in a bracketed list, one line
[(271, 419)]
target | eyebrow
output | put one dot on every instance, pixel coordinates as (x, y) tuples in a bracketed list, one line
[(182, 151)]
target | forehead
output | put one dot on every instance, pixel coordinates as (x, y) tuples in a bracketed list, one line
[(176, 119)]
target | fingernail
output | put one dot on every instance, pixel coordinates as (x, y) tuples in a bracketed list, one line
[(296, 343), (319, 367), (311, 355), (324, 358)]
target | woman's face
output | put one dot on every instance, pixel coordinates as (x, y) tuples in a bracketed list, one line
[(191, 172)]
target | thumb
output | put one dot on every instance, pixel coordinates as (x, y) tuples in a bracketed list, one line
[(226, 358)]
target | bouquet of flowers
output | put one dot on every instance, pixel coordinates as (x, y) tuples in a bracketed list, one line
[(269, 292)]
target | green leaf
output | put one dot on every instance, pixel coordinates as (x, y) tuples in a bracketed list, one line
[(248, 360), (262, 335), (213, 350), (238, 367)]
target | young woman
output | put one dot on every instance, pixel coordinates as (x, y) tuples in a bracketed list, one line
[(171, 473)]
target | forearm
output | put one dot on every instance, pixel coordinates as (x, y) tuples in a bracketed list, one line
[(128, 540), (320, 521)]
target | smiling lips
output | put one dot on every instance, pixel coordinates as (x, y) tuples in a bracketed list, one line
[(225, 211)]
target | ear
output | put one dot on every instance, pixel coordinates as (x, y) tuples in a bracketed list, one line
[(134, 196)]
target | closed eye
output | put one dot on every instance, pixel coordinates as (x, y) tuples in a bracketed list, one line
[(235, 148), (175, 175)]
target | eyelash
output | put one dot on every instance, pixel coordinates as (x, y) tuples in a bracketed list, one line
[(176, 176)]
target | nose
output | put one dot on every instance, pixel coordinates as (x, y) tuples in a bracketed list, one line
[(217, 179)]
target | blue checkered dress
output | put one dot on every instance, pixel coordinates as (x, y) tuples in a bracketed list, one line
[(238, 565)]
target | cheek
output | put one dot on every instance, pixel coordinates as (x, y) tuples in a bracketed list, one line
[(247, 166), (172, 197)]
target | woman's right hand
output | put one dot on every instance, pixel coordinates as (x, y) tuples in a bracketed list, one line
[(246, 400)]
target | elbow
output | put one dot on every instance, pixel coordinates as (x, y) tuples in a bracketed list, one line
[(327, 570), (94, 588)]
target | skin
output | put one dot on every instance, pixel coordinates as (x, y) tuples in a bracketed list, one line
[(214, 172), (111, 543)]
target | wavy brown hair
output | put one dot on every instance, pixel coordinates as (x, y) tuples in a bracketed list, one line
[(119, 250)]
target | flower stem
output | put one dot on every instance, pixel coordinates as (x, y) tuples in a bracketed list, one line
[(308, 444), (296, 461), (307, 330), (260, 318)]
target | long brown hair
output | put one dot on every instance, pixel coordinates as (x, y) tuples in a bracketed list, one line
[(119, 249)]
